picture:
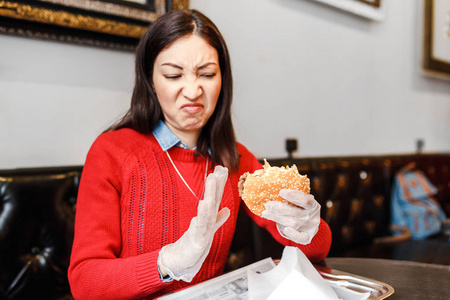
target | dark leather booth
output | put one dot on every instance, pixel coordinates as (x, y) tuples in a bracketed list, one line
[(355, 194), (37, 209)]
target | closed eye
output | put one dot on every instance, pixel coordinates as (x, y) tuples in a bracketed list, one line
[(209, 75), (172, 77)]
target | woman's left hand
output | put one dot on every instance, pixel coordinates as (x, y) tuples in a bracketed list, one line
[(298, 223)]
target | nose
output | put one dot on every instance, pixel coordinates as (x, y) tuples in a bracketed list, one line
[(192, 90)]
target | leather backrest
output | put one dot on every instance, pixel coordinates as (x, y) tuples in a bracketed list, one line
[(37, 210), (355, 192)]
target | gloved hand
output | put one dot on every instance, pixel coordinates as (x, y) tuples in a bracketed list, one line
[(298, 224), (184, 258)]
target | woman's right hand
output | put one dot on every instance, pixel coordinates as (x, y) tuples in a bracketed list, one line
[(183, 259)]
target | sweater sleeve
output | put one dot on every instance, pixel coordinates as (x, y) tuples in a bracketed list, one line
[(96, 271), (320, 245)]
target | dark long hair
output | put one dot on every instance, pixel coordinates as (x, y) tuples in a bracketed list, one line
[(218, 134)]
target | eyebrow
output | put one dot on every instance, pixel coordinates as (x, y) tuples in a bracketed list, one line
[(172, 65), (181, 68)]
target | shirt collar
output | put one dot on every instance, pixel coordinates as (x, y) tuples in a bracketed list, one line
[(166, 138)]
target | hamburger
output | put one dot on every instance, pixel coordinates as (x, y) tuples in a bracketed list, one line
[(265, 184)]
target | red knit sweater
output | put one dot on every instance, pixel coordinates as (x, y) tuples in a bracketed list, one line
[(131, 203)]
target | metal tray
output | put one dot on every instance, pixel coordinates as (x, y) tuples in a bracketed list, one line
[(377, 289)]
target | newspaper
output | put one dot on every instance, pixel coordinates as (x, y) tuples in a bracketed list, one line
[(230, 286)]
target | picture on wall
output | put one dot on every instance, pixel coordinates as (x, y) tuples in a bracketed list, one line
[(370, 9), (105, 23), (436, 60)]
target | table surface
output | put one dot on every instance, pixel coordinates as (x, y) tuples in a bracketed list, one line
[(410, 280)]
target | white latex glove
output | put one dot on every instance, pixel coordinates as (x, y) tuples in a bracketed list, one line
[(184, 258), (298, 224)]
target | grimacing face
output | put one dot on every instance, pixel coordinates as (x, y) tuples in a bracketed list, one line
[(187, 81)]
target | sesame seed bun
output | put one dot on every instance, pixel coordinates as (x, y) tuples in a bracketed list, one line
[(265, 184)]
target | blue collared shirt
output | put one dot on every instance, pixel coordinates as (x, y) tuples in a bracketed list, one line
[(166, 138)]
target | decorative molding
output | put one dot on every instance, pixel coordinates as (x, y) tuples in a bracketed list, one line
[(117, 24), (113, 8), (73, 39), (62, 18), (369, 9), (436, 39), (180, 4)]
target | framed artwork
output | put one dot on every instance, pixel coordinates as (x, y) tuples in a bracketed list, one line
[(370, 9), (436, 60), (105, 23)]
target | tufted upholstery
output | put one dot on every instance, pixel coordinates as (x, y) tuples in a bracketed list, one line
[(37, 209), (355, 193)]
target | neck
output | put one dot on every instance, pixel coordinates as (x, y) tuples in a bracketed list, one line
[(190, 138), (190, 141)]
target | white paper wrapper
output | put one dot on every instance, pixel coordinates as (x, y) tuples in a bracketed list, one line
[(295, 276)]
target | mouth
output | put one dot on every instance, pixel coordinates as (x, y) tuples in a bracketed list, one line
[(191, 108)]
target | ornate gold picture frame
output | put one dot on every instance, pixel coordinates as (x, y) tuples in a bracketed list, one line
[(436, 60), (105, 23)]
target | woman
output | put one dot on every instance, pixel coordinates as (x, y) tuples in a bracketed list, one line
[(148, 219)]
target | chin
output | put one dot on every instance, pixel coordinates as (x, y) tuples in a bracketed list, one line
[(198, 125)]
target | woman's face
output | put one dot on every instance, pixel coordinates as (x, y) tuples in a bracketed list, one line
[(187, 82)]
